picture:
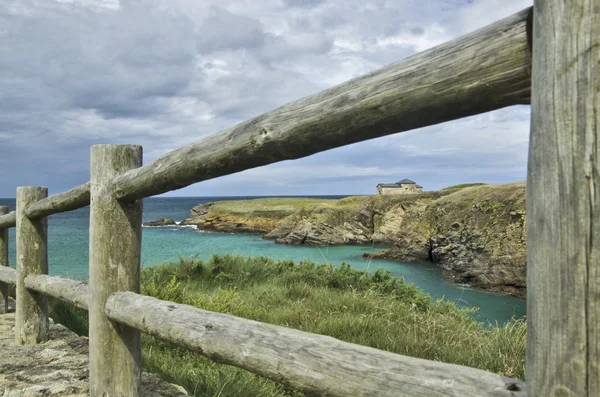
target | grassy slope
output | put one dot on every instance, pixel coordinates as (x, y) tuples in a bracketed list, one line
[(280, 207), (463, 185), (272, 207), (251, 216), (371, 309)]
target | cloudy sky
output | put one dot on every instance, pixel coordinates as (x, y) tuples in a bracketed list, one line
[(165, 73)]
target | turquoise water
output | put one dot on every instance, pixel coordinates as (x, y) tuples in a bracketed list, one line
[(68, 254)]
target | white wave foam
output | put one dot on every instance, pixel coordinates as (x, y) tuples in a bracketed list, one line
[(192, 226)]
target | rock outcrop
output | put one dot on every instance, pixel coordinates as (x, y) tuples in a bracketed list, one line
[(161, 222), (475, 233), (352, 220), (245, 216), (480, 238)]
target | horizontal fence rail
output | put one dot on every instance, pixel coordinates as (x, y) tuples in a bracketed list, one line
[(71, 291), (312, 363), (486, 70), (8, 275), (8, 220), (70, 200)]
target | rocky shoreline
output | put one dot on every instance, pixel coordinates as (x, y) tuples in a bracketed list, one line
[(476, 234)]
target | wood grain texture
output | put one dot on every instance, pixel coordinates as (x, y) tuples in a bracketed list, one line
[(71, 291), (8, 275), (563, 202), (70, 200), (4, 258), (115, 246), (315, 364), (31, 318), (485, 70), (8, 220)]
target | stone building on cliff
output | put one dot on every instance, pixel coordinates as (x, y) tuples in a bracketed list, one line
[(405, 186)]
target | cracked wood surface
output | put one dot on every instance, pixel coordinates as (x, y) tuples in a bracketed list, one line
[(485, 70), (312, 363), (70, 200), (563, 202), (71, 291)]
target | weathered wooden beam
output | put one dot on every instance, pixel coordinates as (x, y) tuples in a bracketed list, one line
[(72, 291), (8, 220), (77, 197), (115, 246), (31, 319), (482, 71), (4, 258), (563, 201), (8, 275), (315, 364)]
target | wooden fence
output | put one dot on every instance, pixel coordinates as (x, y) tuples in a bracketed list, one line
[(485, 70)]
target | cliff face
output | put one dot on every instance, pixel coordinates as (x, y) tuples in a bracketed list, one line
[(352, 220), (476, 234), (246, 216)]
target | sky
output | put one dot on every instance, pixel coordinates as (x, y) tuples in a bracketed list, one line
[(166, 73)]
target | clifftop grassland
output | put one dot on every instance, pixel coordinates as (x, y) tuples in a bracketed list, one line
[(247, 216), (475, 232)]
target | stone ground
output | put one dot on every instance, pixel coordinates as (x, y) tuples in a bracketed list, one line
[(58, 367)]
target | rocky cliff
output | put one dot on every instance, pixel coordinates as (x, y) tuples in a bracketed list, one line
[(475, 233), (245, 216), (352, 220)]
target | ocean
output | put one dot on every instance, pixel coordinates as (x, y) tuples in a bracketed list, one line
[(68, 253)]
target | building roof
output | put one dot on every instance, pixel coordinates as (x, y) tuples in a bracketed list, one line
[(397, 184)]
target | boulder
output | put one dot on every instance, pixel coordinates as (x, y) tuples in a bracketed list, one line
[(160, 222)]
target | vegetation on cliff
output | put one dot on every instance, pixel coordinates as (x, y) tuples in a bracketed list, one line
[(373, 309), (246, 216), (474, 231), (476, 234), (351, 220)]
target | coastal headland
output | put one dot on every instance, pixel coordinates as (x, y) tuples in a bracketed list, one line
[(475, 233)]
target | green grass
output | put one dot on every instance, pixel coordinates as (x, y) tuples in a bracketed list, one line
[(373, 309), (464, 185), (272, 207)]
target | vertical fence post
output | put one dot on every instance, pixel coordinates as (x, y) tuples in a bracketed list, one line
[(115, 247), (31, 320), (4, 258), (563, 201)]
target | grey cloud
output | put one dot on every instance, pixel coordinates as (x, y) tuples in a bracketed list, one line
[(303, 3), (224, 30), (165, 73), (417, 30)]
